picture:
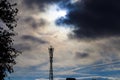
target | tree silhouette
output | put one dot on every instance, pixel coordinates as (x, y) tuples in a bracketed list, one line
[(8, 54)]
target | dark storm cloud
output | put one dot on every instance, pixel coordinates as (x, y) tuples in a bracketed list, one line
[(33, 39), (22, 47), (34, 24), (40, 3), (81, 55), (93, 18)]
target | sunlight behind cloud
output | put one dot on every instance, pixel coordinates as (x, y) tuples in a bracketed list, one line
[(54, 12)]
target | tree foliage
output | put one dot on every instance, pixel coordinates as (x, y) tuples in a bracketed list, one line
[(8, 54)]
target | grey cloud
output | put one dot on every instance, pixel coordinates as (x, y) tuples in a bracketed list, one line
[(22, 47), (40, 3), (28, 19), (81, 55), (42, 22), (33, 39), (34, 24), (110, 49)]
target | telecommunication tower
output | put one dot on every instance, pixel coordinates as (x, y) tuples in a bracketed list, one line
[(51, 50)]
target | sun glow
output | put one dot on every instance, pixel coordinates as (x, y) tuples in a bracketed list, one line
[(54, 12), (56, 33), (61, 13)]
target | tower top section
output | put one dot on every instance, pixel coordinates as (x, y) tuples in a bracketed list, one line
[(51, 50)]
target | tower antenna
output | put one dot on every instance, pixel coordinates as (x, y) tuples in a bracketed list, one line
[(51, 50)]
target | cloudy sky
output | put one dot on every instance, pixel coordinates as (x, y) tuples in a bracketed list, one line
[(85, 35)]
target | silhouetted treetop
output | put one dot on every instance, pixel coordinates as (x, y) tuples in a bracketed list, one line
[(8, 13), (8, 54)]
